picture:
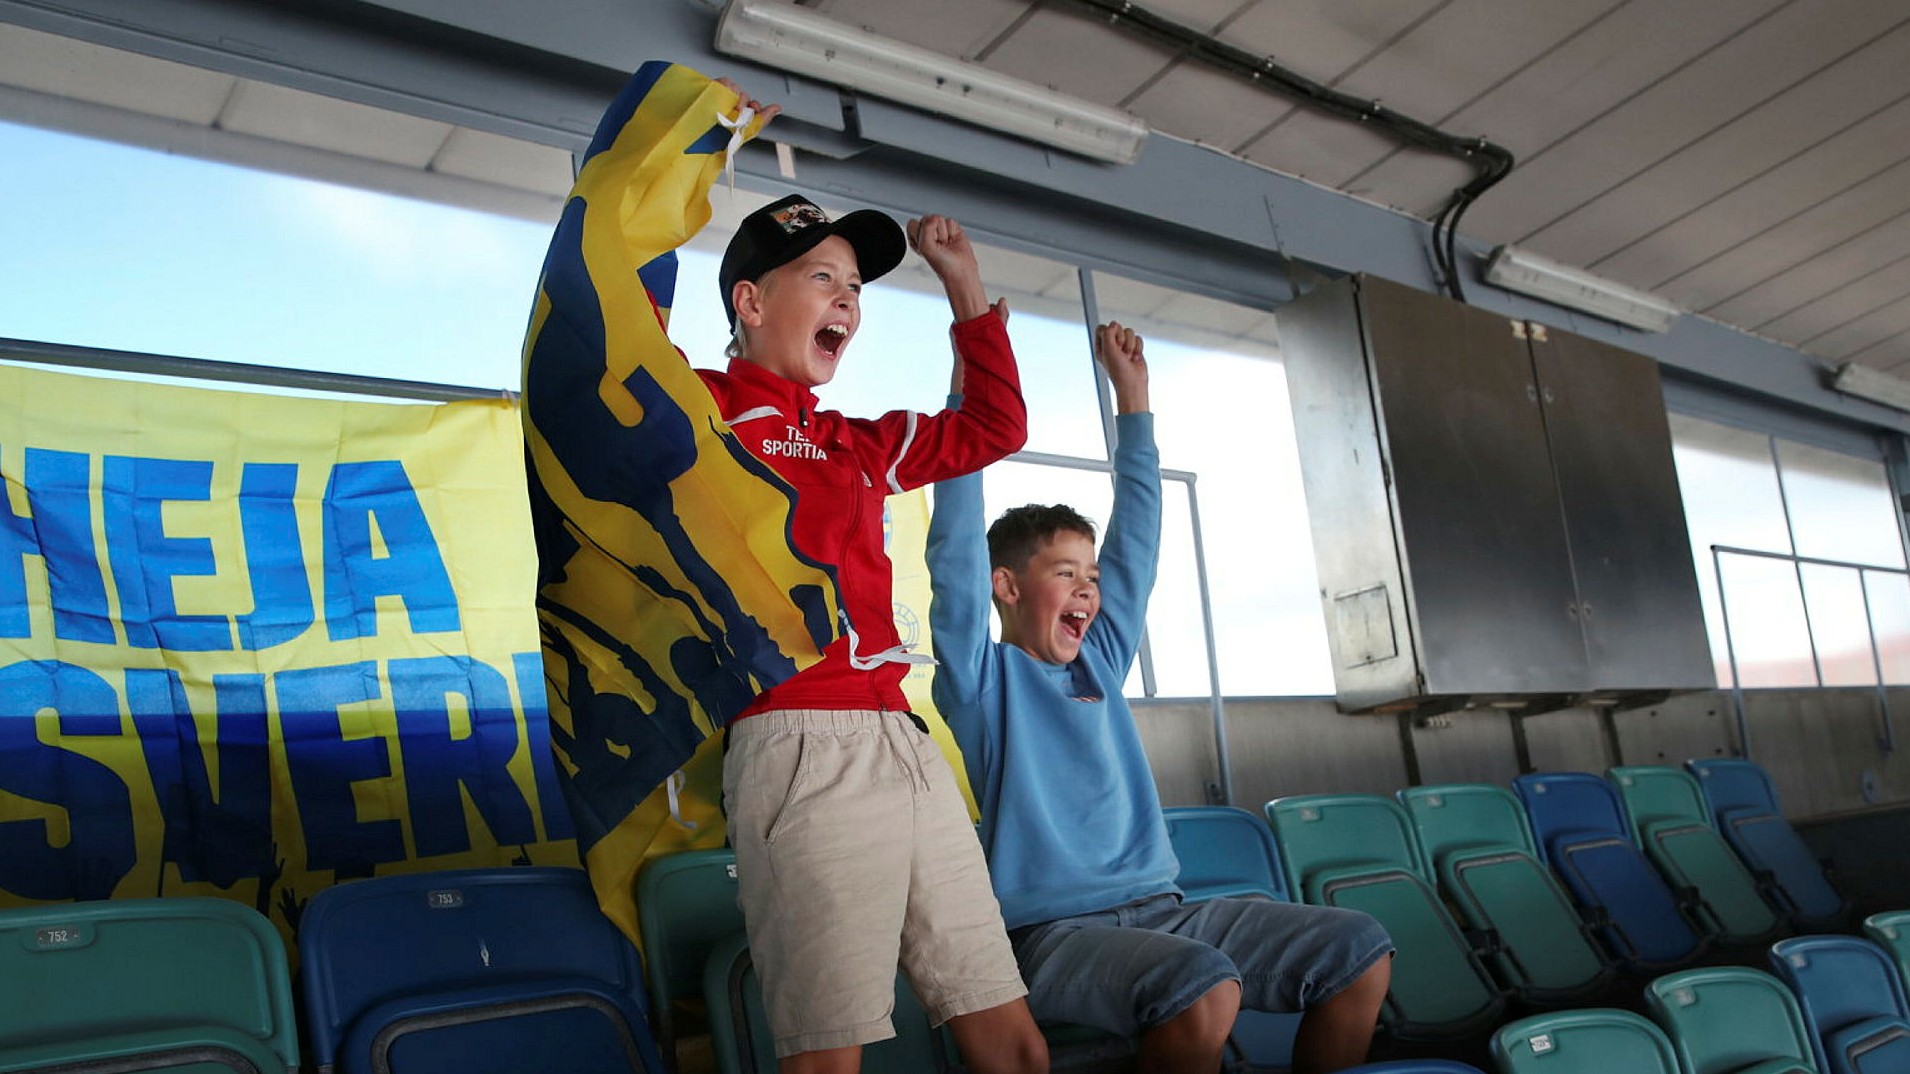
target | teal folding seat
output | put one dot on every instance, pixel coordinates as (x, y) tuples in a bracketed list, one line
[(1357, 851), (686, 906), (1669, 818), (739, 1024), (1594, 1040), (1890, 930), (1744, 806), (183, 985), (1476, 838), (1731, 1020)]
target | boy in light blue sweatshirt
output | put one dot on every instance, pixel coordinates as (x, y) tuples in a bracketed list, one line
[(1071, 821)]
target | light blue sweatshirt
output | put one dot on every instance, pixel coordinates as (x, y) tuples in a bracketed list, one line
[(1071, 821)]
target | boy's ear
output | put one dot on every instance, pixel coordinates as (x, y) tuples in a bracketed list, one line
[(747, 297), (1007, 586)]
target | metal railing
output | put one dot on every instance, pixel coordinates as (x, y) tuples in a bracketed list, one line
[(1887, 741)]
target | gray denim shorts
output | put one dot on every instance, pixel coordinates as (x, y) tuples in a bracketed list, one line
[(1135, 966)]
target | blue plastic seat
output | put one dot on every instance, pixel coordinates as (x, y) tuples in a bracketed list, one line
[(1731, 1020), (1852, 1000), (1476, 838), (1578, 821), (186, 985), (1357, 851), (1224, 851), (1593, 1040), (1669, 818), (1890, 930), (1744, 806), (470, 972), (1230, 852)]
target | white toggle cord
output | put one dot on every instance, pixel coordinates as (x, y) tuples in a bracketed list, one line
[(894, 654), (735, 127), (672, 787)]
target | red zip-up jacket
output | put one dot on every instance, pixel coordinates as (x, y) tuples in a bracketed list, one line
[(843, 468)]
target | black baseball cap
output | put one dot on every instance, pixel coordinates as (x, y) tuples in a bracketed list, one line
[(782, 231)]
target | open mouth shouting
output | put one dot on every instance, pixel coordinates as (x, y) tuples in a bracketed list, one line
[(831, 337), (1075, 624)]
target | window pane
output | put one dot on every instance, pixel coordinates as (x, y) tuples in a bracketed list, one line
[(1890, 613), (1220, 401), (1839, 627), (1840, 506), (125, 248), (1729, 486), (900, 358), (1768, 632)]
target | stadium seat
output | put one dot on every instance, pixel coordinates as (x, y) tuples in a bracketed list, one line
[(1890, 930), (1225, 851), (1414, 1067), (1743, 805), (1852, 1000), (1578, 822), (686, 906), (739, 1025), (1476, 838), (1357, 851), (185, 985), (1594, 1040), (1669, 818), (469, 972), (1731, 1020)]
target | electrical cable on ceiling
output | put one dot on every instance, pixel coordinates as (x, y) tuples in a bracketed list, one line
[(1492, 161)]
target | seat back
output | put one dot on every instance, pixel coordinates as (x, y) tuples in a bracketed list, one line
[(1476, 836), (90, 982), (1356, 852), (1669, 818), (1744, 806), (1580, 825), (1414, 1066), (1724, 1019), (471, 971), (1890, 930), (1224, 851), (686, 905), (739, 1023), (1594, 1040), (1851, 997)]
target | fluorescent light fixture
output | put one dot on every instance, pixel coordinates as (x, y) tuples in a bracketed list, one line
[(1530, 274), (797, 39), (1872, 384)]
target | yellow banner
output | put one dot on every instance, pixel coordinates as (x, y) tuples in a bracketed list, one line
[(251, 645)]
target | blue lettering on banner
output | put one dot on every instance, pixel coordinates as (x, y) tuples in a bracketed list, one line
[(60, 531), (412, 569), (441, 767), (324, 765), (221, 834), (145, 560), (274, 556), (530, 687), (100, 848)]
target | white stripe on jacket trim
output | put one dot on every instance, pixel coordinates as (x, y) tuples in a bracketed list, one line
[(908, 438)]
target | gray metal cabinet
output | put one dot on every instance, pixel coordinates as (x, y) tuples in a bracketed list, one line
[(1494, 507)]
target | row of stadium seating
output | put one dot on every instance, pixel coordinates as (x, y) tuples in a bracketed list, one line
[(482, 970)]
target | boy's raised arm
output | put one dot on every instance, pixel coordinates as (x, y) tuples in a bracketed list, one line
[(1130, 552)]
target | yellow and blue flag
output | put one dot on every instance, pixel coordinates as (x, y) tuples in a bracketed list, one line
[(669, 590)]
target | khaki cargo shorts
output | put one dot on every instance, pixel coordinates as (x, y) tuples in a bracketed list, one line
[(855, 854)]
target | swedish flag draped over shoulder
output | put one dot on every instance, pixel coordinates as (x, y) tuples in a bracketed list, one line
[(669, 592)]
